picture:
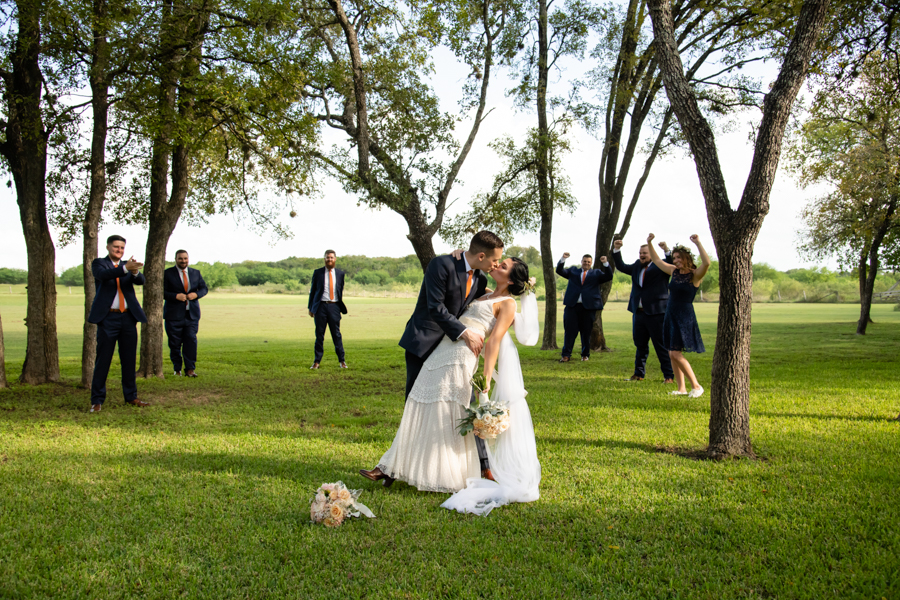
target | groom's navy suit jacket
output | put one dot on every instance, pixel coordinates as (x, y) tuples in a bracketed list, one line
[(442, 300), (654, 294), (173, 309), (105, 275)]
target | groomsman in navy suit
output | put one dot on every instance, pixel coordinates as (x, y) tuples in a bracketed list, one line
[(326, 305), (647, 304), (182, 287), (116, 312), (582, 301)]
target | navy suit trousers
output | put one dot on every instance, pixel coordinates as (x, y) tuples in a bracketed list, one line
[(577, 320), (328, 314), (183, 342), (116, 328), (645, 328)]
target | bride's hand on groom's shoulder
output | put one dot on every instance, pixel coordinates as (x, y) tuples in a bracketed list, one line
[(457, 254)]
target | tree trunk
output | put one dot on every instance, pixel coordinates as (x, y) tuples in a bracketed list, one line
[(91, 227), (729, 419), (735, 231), (3, 382), (867, 283), (420, 234), (598, 337), (543, 177), (25, 150)]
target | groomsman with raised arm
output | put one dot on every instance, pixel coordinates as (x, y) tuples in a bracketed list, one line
[(647, 305), (326, 305), (582, 301), (182, 288), (116, 312)]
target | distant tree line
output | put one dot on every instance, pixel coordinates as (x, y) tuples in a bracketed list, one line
[(817, 284)]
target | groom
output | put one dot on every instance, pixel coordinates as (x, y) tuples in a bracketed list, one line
[(450, 285)]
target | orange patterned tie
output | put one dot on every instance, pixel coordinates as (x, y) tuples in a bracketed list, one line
[(331, 284), (184, 278), (121, 296), (469, 283), (583, 273)]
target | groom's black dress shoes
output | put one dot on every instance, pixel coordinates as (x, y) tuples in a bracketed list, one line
[(376, 475)]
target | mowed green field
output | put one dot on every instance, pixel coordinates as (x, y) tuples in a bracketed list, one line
[(205, 494)]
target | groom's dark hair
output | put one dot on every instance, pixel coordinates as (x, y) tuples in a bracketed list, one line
[(485, 241)]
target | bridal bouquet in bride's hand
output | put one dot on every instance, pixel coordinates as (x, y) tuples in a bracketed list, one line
[(334, 503), (485, 417)]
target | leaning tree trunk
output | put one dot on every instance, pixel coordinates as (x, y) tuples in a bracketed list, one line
[(421, 233), (164, 214), (3, 382), (25, 150), (735, 231), (97, 197)]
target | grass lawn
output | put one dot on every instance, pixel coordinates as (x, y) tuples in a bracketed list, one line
[(205, 494)]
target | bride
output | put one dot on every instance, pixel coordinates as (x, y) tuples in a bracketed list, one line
[(427, 451)]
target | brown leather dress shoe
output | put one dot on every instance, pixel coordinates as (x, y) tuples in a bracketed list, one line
[(585, 358), (564, 359), (315, 366), (635, 378), (669, 380), (344, 365), (376, 475), (137, 402), (190, 373), (486, 474), (96, 407)]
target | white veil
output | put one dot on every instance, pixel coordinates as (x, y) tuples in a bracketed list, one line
[(513, 454)]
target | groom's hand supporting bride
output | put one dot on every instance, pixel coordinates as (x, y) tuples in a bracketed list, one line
[(473, 339)]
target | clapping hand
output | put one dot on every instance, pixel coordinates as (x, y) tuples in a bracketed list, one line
[(133, 265)]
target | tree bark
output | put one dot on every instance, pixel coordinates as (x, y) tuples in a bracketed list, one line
[(166, 207), (867, 276), (543, 178), (97, 195), (3, 382), (25, 150), (735, 231)]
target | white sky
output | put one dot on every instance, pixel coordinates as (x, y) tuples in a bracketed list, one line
[(671, 205)]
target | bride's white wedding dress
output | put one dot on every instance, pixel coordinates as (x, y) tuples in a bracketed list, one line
[(427, 451)]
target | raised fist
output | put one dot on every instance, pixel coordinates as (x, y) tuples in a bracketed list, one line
[(566, 255), (650, 237), (664, 246), (603, 260), (695, 238), (617, 244)]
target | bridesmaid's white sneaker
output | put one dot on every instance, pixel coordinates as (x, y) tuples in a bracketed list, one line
[(677, 393), (696, 393)]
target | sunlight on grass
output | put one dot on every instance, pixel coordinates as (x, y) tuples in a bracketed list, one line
[(205, 494)]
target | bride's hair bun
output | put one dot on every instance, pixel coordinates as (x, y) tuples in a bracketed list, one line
[(518, 276)]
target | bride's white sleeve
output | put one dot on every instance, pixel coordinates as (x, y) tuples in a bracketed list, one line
[(526, 323)]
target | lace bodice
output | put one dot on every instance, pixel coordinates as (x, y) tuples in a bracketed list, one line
[(480, 315)]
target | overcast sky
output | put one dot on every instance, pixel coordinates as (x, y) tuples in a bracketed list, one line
[(671, 205)]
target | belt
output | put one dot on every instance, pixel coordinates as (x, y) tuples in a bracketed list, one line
[(116, 310), (330, 301)]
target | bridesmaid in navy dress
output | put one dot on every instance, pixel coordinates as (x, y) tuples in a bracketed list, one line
[(680, 331)]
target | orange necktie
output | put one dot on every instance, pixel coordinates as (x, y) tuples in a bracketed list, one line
[(184, 278), (469, 283), (331, 284), (121, 296), (583, 273)]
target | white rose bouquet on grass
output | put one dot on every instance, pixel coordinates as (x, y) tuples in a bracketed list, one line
[(334, 503), (485, 417)]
